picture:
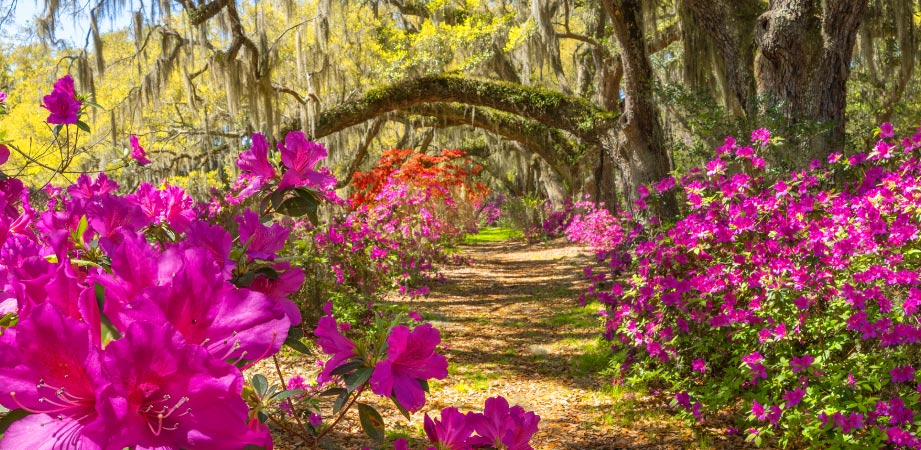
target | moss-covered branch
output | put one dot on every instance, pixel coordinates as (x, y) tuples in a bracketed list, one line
[(549, 143), (549, 108)]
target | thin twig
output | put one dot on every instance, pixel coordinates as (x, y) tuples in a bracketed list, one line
[(284, 385), (342, 414)]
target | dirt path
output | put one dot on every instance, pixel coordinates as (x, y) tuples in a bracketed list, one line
[(514, 328), (511, 326)]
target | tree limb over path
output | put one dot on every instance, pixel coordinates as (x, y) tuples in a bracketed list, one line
[(552, 109)]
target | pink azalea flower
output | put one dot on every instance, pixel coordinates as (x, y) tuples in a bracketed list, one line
[(300, 156), (699, 365), (794, 397), (761, 136), (137, 152), (886, 130), (50, 367), (4, 154), (170, 394), (62, 102), (411, 358), (260, 241), (450, 432), (801, 363), (256, 160), (902, 374), (171, 205), (334, 343), (500, 425), (191, 294)]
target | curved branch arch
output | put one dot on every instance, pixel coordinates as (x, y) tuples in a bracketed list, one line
[(552, 109), (550, 144)]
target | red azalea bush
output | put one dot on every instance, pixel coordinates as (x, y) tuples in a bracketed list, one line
[(792, 302), (448, 179), (127, 320)]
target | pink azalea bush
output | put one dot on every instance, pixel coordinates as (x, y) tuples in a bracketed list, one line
[(789, 301), (127, 319)]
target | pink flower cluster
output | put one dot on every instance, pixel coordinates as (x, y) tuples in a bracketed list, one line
[(129, 331), (498, 426), (763, 275)]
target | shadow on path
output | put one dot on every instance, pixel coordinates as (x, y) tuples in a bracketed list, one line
[(512, 326)]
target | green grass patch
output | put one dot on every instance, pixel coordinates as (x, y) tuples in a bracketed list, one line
[(492, 234), (577, 317), (596, 359)]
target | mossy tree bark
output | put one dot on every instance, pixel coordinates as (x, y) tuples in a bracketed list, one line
[(804, 48), (638, 147)]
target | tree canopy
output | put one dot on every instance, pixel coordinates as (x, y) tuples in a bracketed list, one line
[(606, 95)]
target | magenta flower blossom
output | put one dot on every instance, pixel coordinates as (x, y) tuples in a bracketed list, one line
[(761, 136), (260, 241), (4, 154), (256, 160), (411, 358), (137, 152), (699, 365), (168, 394), (886, 130), (190, 293), (450, 432), (801, 363), (902, 374), (300, 156), (171, 205), (793, 397), (500, 425), (62, 102), (2, 97), (50, 367), (334, 343)]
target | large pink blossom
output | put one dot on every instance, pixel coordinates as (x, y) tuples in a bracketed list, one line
[(333, 343), (50, 367), (411, 359), (168, 394), (62, 102), (300, 156)]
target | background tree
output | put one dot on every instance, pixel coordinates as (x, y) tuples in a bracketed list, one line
[(657, 82)]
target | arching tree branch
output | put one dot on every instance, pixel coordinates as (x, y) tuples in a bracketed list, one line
[(548, 143), (552, 109)]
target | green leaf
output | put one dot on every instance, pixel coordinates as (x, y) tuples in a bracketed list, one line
[(56, 129), (108, 330), (81, 229), (287, 394), (11, 417), (347, 367), (244, 280), (295, 344), (301, 204), (83, 126), (260, 384), (400, 408), (340, 401), (425, 385), (371, 422), (333, 391), (360, 377)]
